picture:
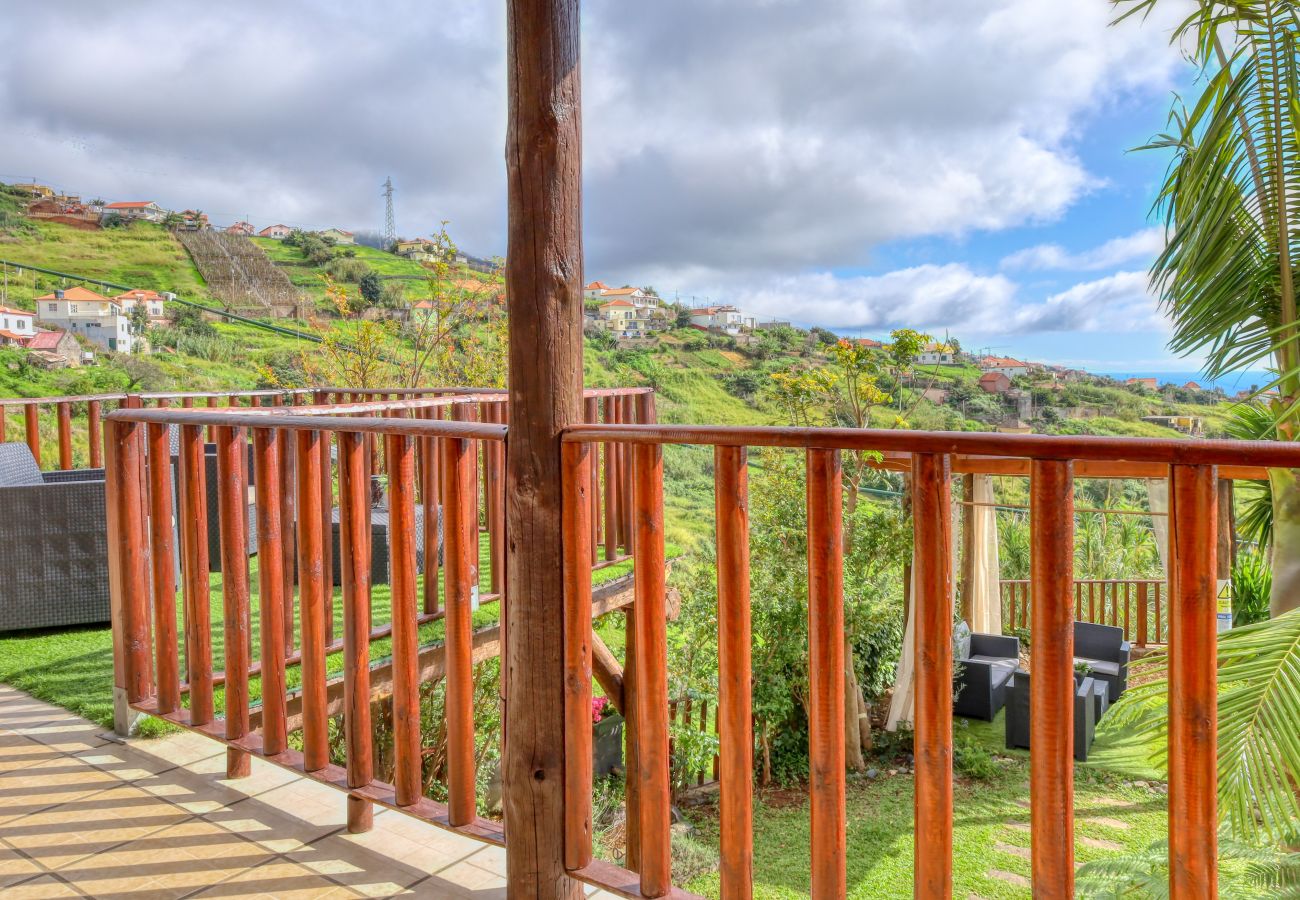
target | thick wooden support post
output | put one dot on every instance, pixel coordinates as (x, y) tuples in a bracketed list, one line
[(825, 675), (267, 473), (406, 637), (932, 607), (162, 555), (232, 510), (460, 565), (1051, 686), (32, 426), (1193, 689), (354, 545), (544, 283), (735, 716), (65, 435), (193, 514), (129, 570), (578, 641), (313, 581), (651, 698), (95, 431)]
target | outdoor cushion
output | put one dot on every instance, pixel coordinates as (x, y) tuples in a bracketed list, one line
[(1002, 668), (1100, 666), (17, 466)]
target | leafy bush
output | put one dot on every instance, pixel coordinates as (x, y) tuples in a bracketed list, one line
[(342, 268), (1252, 582), (971, 760)]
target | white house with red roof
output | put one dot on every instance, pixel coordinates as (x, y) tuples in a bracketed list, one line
[(145, 210), (93, 316), (727, 319), (244, 229), (595, 289), (277, 232), (339, 236), (1009, 367), (152, 300), (18, 322)]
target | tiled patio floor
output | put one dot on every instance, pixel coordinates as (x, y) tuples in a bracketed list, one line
[(84, 815)]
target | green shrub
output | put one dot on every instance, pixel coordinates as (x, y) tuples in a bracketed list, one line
[(1252, 582)]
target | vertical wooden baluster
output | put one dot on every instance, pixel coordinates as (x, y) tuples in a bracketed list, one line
[(1142, 613), (1128, 599), (432, 504), (627, 413), (65, 434), (459, 589), (735, 718), (192, 512), (232, 507), (212, 431), (4, 416), (354, 546), (1051, 687), (826, 673), (498, 500), (652, 676), (406, 637), (130, 549), (932, 608), (162, 553), (327, 529), (313, 582), (95, 431), (576, 472), (286, 451), (267, 474), (1193, 711), (1160, 625), (32, 425), (1078, 601), (187, 402), (591, 414), (632, 740), (611, 454)]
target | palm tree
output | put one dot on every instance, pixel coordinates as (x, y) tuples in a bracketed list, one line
[(1231, 204)]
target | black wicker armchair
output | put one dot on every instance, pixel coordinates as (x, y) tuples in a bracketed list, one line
[(1106, 652), (54, 567), (985, 665)]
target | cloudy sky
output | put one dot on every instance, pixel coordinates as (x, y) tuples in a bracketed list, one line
[(860, 164)]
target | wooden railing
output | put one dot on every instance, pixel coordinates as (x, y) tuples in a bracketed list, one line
[(1134, 604), (443, 452), (931, 459)]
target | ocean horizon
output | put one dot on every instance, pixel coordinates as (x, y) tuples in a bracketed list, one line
[(1231, 383)]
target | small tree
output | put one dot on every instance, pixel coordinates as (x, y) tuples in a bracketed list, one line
[(137, 320), (371, 287)]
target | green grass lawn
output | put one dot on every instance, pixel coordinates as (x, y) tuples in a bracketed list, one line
[(74, 667)]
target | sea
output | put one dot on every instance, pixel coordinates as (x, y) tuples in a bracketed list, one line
[(1231, 384)]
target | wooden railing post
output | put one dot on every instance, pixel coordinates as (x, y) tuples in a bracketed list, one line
[(232, 503), (354, 562), (1193, 696), (32, 426), (1143, 611), (578, 541), (461, 576), (1051, 686), (313, 584), (193, 513), (162, 553), (826, 673), (95, 433), (128, 571), (735, 717), (267, 474), (932, 609), (65, 435)]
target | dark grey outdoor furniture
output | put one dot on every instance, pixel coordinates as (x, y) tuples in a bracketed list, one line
[(986, 664), (54, 562), (379, 553), (1104, 649), (213, 520), (1085, 721)]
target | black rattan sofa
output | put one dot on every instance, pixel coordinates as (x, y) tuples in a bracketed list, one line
[(985, 665)]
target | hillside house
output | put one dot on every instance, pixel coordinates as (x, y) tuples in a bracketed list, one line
[(870, 344), (1194, 425), (725, 319), (771, 325), (1192, 386), (194, 220), (418, 250), (339, 236), (152, 300), (1150, 384), (32, 189), (136, 210), (995, 382), (54, 349), (91, 315), (17, 321), (243, 229), (1012, 368), (275, 232), (937, 355), (595, 289)]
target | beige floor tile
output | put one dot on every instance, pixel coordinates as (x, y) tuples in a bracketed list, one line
[(346, 861), (70, 735), (280, 879), (263, 776), (412, 843), (14, 866), (177, 749), (47, 886), (46, 784)]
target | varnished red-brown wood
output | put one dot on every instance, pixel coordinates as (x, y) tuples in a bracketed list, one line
[(32, 426), (354, 547), (652, 675), (406, 637), (1051, 685), (826, 673), (327, 529), (460, 566), (932, 608), (193, 517), (313, 581), (65, 435), (96, 434), (577, 654), (267, 473), (287, 446), (591, 413), (232, 509), (430, 498), (126, 462), (611, 452), (627, 413), (1193, 711), (162, 550), (735, 723)]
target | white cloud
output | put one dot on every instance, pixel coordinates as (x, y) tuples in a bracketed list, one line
[(1143, 245)]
